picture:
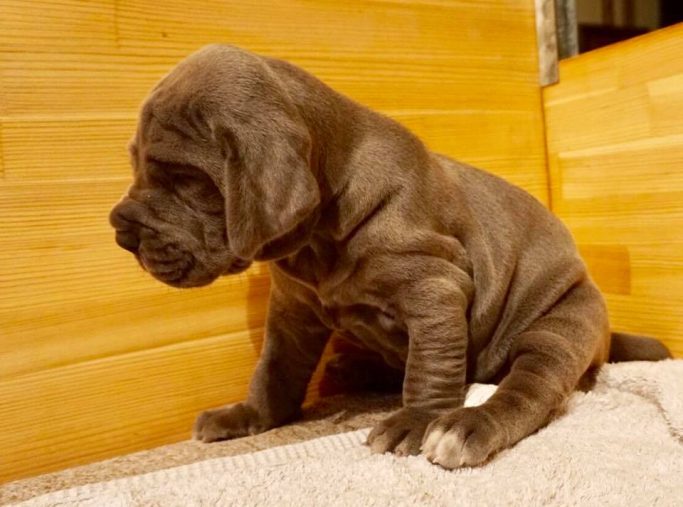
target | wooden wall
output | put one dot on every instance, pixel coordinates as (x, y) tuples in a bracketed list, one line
[(615, 152), (98, 359)]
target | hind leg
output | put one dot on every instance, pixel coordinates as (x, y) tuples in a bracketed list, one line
[(547, 363)]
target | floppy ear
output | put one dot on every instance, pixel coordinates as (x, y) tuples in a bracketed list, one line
[(269, 185)]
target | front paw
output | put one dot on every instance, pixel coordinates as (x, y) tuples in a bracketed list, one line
[(463, 437), (223, 423), (401, 432)]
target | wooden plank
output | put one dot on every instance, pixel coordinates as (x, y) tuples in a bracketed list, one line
[(43, 24), (655, 267), (2, 156), (385, 54), (632, 219), (362, 28), (615, 152), (38, 338), (623, 114), (617, 169), (64, 148), (610, 267), (83, 412), (77, 83), (48, 214), (666, 104)]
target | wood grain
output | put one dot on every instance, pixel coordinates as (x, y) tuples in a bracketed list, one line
[(610, 267), (86, 411), (615, 150), (96, 358), (75, 147)]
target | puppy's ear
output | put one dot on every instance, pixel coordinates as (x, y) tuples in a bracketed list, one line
[(269, 184)]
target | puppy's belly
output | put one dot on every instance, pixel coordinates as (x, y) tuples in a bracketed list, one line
[(373, 329)]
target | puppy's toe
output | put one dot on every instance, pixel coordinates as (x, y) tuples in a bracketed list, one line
[(227, 422), (400, 433), (385, 438), (464, 437), (410, 445)]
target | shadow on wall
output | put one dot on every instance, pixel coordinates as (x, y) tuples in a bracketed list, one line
[(258, 289)]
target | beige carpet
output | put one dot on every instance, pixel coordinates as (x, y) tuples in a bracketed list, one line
[(621, 444), (328, 416)]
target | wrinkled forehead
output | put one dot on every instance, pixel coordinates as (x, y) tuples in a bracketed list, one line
[(169, 135)]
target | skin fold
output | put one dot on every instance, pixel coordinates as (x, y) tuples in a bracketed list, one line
[(448, 273)]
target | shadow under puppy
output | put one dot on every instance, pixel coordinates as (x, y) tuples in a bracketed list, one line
[(446, 271)]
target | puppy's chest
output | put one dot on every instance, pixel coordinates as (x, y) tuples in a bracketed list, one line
[(355, 316), (345, 304), (370, 327)]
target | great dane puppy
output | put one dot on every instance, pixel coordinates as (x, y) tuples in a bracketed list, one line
[(448, 272)]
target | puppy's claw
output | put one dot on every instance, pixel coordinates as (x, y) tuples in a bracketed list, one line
[(400, 433)]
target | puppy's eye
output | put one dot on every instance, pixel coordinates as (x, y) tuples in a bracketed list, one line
[(194, 184), (182, 178), (197, 189)]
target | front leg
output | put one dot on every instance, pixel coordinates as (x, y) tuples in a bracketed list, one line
[(294, 342), (546, 363), (434, 311)]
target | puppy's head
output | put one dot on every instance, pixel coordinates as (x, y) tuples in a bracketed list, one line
[(221, 163)]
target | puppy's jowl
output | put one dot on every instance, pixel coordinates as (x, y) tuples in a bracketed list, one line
[(445, 271)]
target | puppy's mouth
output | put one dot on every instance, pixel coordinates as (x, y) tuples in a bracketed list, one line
[(176, 266), (171, 271), (237, 266), (183, 270)]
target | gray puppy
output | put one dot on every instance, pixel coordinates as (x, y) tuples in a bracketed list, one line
[(448, 272)]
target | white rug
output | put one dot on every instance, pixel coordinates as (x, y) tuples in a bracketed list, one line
[(620, 445)]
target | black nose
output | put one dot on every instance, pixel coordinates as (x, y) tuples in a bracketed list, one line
[(128, 240), (122, 219), (118, 216)]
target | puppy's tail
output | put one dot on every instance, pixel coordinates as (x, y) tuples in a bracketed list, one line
[(629, 347)]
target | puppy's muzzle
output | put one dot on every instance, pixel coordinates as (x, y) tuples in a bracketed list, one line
[(123, 218), (128, 241)]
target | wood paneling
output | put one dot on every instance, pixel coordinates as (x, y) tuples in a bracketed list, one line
[(610, 267), (96, 358), (77, 413), (615, 150), (67, 147)]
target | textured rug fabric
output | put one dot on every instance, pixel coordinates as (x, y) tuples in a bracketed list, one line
[(620, 444)]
